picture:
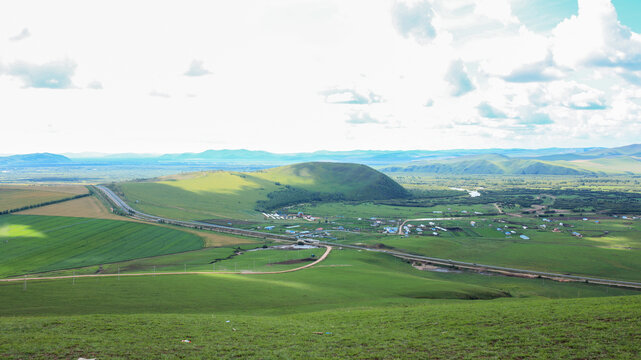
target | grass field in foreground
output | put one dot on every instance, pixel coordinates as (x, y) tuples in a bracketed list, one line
[(594, 328), (347, 278), (366, 305), (31, 243)]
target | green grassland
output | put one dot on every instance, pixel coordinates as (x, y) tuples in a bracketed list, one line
[(32, 243), (616, 254), (595, 328), (208, 195), (366, 305), (214, 259)]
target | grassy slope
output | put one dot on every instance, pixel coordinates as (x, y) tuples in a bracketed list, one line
[(218, 259), (200, 196), (357, 278), (374, 307), (31, 243), (596, 328), (209, 195)]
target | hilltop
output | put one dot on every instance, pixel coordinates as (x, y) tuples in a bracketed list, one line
[(223, 194)]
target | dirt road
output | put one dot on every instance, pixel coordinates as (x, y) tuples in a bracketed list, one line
[(329, 249)]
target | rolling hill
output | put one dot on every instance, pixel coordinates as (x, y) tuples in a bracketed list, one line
[(221, 194), (492, 164)]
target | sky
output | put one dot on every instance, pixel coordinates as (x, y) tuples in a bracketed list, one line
[(307, 75)]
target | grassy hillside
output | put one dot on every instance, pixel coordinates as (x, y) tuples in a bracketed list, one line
[(31, 243), (596, 328), (364, 304), (207, 195)]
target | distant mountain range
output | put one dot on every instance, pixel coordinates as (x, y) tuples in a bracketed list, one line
[(551, 161), (38, 159), (621, 160)]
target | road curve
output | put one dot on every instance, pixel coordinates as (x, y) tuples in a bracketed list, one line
[(446, 262), (327, 251)]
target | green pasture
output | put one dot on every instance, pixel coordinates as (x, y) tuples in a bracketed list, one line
[(218, 259), (363, 303), (594, 328), (608, 257), (33, 244), (211, 195)]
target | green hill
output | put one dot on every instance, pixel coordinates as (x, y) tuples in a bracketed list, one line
[(492, 164), (221, 194)]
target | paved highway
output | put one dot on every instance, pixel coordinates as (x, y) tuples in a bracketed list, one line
[(116, 200)]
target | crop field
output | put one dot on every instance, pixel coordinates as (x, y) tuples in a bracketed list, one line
[(88, 207), (15, 196), (31, 243), (399, 312)]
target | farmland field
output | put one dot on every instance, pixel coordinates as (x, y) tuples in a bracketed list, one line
[(31, 243), (14, 197), (89, 207)]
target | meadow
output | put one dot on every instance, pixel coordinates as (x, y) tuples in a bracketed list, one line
[(235, 258), (32, 243), (610, 249), (363, 304)]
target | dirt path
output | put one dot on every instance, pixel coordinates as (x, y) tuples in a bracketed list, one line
[(498, 208), (329, 249)]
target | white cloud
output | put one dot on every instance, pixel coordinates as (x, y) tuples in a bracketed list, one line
[(415, 20), (349, 96), (361, 117), (458, 79), (96, 85), (21, 35), (159, 94), (596, 38), (197, 68), (52, 75)]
